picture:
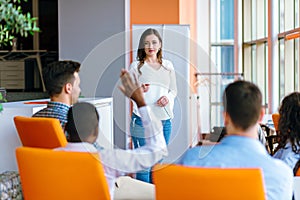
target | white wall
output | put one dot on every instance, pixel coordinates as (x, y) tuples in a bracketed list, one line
[(92, 32)]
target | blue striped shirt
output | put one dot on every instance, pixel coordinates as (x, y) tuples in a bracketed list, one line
[(56, 110)]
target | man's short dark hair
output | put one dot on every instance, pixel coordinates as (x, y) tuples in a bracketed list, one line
[(59, 73), (242, 100), (83, 121)]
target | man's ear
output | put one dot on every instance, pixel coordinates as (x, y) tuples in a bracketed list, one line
[(261, 115), (96, 132), (68, 88), (225, 117)]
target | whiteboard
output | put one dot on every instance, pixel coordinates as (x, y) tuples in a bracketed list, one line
[(176, 48)]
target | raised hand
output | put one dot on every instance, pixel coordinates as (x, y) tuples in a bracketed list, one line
[(131, 88)]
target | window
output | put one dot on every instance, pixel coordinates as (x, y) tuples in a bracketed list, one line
[(255, 45), (288, 37), (222, 55)]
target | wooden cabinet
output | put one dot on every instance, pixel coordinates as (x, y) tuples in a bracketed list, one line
[(12, 75)]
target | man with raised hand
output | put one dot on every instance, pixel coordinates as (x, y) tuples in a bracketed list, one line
[(82, 127)]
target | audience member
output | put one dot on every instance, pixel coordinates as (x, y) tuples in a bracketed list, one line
[(288, 148), (242, 102), (62, 84), (82, 126)]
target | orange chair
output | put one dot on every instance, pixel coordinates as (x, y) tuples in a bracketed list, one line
[(275, 118), (297, 172), (297, 168), (47, 175), (182, 182), (40, 132)]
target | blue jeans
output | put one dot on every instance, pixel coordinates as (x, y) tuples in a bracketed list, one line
[(138, 139)]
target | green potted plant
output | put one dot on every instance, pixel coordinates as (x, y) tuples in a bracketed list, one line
[(2, 99), (14, 22)]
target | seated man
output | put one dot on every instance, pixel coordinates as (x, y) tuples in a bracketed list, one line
[(62, 83), (82, 127), (242, 102)]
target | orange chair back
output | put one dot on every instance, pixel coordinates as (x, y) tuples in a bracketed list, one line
[(297, 168), (47, 175), (275, 118), (298, 172), (182, 182), (40, 132)]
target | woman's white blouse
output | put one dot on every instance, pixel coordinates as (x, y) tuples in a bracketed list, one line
[(162, 83)]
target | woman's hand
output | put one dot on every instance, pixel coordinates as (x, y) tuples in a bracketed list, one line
[(162, 101), (145, 87)]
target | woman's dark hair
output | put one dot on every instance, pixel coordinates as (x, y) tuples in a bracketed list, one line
[(289, 122), (83, 121), (141, 54)]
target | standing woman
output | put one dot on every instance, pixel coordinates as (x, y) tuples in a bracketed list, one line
[(157, 77), (288, 149)]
